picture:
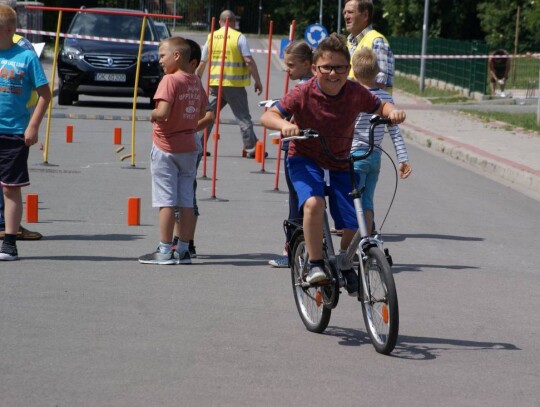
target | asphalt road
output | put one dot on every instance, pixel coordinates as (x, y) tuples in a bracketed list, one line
[(84, 324)]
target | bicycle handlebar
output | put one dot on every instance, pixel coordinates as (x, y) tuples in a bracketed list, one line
[(306, 134)]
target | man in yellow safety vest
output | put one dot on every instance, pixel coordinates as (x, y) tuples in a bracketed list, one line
[(358, 15), (238, 70)]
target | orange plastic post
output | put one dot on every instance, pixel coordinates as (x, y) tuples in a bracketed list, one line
[(32, 208), (117, 135), (69, 133), (134, 211), (259, 152)]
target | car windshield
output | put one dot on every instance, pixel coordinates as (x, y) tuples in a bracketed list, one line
[(111, 26), (162, 31)]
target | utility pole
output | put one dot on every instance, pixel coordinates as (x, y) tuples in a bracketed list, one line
[(260, 17), (424, 45), (339, 11)]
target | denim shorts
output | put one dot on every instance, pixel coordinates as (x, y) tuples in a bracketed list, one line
[(172, 178), (368, 172), (308, 180)]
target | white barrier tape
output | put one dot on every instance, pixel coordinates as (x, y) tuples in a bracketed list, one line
[(85, 37), (119, 40), (529, 55), (265, 51)]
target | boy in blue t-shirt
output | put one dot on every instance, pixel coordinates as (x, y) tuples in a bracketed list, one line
[(20, 73)]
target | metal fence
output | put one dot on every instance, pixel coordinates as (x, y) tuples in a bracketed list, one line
[(471, 74), (30, 19), (468, 74), (197, 14)]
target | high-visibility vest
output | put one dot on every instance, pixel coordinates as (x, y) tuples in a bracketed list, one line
[(235, 71), (366, 41)]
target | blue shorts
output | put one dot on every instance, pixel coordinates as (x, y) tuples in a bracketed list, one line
[(368, 172), (308, 180)]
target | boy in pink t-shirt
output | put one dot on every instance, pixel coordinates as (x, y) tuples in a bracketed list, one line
[(180, 104)]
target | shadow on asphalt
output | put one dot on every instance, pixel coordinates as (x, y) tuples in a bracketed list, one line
[(414, 347), (399, 268), (400, 238), (113, 237)]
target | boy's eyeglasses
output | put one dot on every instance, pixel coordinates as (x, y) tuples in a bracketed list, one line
[(339, 69)]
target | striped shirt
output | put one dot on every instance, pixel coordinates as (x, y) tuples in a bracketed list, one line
[(361, 130)]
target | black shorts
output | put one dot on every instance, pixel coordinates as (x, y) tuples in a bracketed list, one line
[(13, 161)]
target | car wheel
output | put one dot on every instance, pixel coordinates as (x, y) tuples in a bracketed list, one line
[(65, 98)]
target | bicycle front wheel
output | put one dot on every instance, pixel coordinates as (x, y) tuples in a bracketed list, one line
[(309, 300), (380, 303)]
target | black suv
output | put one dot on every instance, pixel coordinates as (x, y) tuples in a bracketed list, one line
[(105, 68)]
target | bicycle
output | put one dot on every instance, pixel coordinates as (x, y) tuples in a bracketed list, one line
[(377, 290)]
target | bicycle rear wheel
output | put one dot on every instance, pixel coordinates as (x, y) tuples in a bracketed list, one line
[(309, 300), (380, 308)]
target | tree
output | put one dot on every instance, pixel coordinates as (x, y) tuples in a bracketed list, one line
[(454, 19)]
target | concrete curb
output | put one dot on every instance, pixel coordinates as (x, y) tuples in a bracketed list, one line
[(496, 166)]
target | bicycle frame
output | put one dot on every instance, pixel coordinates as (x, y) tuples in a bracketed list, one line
[(361, 240), (378, 295)]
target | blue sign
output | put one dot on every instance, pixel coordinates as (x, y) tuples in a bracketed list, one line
[(314, 34), (282, 46)]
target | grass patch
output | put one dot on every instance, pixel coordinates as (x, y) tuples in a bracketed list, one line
[(434, 95), (524, 120)]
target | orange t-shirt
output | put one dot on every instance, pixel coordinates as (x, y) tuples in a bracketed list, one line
[(186, 95)]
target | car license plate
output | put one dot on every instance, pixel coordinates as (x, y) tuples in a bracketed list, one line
[(110, 77)]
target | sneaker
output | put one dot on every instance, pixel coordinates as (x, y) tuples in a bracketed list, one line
[(315, 275), (192, 251), (352, 282), (23, 234), (251, 153), (280, 262), (158, 257), (8, 253), (182, 258)]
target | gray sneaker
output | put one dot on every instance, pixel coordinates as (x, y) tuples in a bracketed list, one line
[(182, 258), (280, 262), (315, 275), (8, 253), (158, 257)]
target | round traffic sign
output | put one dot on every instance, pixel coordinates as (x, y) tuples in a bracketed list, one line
[(314, 34)]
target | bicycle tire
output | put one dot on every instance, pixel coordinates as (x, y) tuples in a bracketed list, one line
[(380, 309), (309, 301)]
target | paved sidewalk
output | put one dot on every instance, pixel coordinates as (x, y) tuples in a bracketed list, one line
[(498, 151)]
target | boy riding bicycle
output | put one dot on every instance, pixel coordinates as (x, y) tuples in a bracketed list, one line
[(328, 104)]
